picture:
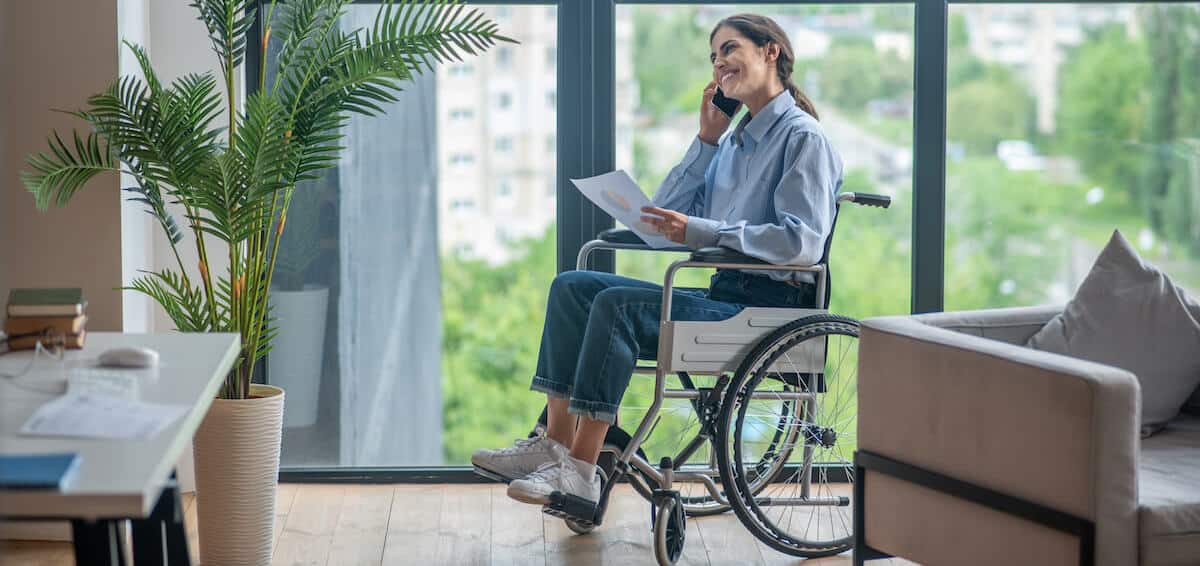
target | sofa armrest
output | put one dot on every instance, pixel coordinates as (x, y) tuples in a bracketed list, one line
[(1013, 325), (1046, 428)]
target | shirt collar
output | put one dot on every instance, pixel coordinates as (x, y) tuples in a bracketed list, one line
[(757, 126)]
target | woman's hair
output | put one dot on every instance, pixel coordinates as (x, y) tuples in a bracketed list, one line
[(762, 31)]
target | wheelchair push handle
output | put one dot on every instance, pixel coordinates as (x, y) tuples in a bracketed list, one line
[(866, 199)]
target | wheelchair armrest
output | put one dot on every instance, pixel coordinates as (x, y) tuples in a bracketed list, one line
[(723, 255), (619, 236), (628, 237)]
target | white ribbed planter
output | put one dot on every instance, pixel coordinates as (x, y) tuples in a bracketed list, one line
[(237, 467)]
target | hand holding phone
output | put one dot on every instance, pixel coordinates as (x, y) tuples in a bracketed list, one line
[(714, 119)]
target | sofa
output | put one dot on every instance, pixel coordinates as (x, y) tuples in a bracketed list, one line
[(973, 449)]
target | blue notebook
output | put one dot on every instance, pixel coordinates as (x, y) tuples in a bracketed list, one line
[(37, 471)]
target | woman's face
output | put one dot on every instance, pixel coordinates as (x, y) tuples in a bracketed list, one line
[(740, 67)]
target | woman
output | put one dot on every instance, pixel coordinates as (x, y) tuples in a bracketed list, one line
[(767, 190)]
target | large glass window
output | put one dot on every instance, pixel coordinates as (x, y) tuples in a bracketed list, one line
[(418, 268), (1065, 122), (855, 63)]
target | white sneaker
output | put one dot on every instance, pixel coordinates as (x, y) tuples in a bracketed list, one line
[(570, 476), (521, 459)]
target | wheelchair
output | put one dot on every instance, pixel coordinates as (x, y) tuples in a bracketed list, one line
[(780, 379)]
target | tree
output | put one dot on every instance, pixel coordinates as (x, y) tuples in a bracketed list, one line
[(492, 326), (1171, 126), (983, 111), (852, 73), (1104, 109), (670, 54)]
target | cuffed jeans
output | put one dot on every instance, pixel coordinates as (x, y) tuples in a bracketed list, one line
[(599, 324)]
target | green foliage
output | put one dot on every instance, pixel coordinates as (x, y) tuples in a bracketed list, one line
[(1103, 85), (1132, 114), (491, 330), (237, 187), (1007, 111), (670, 83), (852, 73)]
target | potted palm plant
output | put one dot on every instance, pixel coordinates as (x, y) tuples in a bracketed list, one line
[(234, 186)]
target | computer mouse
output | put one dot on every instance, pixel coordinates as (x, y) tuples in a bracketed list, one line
[(129, 357)]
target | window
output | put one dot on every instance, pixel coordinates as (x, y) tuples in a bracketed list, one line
[(457, 389), (1071, 121), (462, 159)]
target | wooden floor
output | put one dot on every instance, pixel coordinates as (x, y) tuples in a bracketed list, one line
[(460, 525)]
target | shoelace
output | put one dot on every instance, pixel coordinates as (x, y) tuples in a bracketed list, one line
[(520, 445), (545, 471)]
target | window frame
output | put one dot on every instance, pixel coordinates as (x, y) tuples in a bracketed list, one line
[(586, 146)]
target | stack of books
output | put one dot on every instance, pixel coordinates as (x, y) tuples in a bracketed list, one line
[(38, 314)]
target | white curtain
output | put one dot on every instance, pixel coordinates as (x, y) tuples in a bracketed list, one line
[(389, 308)]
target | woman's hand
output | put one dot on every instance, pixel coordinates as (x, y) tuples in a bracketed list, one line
[(713, 122), (669, 223)]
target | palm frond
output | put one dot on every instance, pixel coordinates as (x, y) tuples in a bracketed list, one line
[(227, 22), (58, 175), (150, 195), (183, 303)]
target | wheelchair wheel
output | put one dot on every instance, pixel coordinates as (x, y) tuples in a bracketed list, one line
[(670, 527), (796, 389)]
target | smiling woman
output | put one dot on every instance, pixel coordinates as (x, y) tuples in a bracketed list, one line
[(598, 324)]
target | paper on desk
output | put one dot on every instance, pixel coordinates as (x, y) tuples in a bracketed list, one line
[(101, 416), (617, 194)]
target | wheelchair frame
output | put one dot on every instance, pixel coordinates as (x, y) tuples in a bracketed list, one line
[(719, 349), (743, 331)]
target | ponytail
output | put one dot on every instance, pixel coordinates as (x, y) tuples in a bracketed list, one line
[(802, 100)]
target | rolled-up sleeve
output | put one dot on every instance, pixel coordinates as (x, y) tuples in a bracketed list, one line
[(683, 189), (804, 201)]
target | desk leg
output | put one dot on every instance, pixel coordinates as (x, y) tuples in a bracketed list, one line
[(160, 539), (97, 543)]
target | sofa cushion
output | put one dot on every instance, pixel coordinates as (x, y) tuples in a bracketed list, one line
[(1169, 494), (1128, 314)]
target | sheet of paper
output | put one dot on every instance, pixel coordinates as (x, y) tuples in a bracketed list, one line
[(101, 416), (617, 194)]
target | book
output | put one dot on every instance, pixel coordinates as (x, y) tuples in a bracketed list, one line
[(46, 302), (70, 341), (37, 471), (28, 324)]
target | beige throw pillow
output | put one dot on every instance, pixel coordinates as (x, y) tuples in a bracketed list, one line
[(1128, 314)]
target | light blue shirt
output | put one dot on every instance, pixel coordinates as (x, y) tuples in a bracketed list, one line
[(768, 189)]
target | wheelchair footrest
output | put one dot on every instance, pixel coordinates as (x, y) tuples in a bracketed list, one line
[(575, 508), (491, 475)]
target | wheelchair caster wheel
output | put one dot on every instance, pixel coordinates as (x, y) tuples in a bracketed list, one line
[(579, 528), (669, 530)]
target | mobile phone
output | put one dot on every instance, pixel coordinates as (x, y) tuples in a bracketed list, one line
[(727, 105)]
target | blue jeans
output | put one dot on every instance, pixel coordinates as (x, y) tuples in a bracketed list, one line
[(599, 324)]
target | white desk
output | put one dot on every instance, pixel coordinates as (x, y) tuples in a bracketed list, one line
[(117, 478)]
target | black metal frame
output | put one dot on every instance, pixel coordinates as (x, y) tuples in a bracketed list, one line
[(865, 460), (159, 539)]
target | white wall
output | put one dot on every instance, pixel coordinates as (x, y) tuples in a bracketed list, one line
[(178, 44)]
